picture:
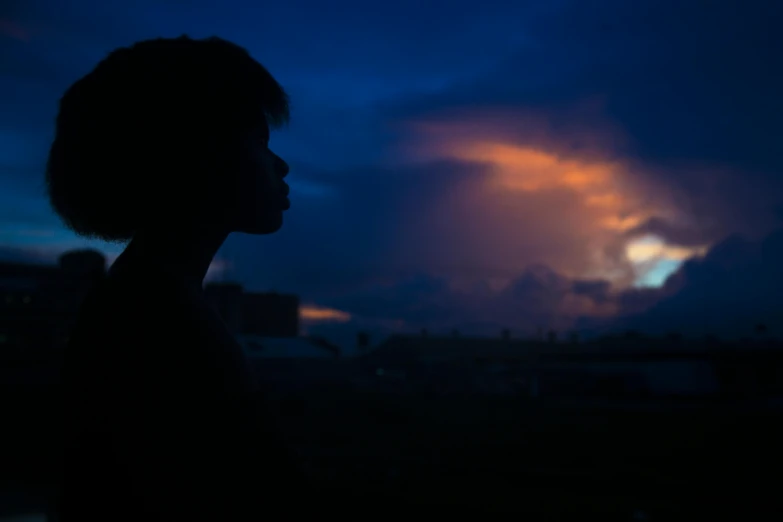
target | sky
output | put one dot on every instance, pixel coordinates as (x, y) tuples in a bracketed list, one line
[(509, 164)]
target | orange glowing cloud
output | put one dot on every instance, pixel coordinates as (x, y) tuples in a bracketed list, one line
[(540, 200), (315, 313)]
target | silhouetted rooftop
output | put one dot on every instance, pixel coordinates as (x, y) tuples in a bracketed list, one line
[(649, 348)]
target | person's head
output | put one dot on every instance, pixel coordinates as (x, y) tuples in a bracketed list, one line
[(166, 134)]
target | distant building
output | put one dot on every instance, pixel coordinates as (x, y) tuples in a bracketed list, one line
[(256, 314), (279, 348), (294, 365), (39, 303), (611, 368)]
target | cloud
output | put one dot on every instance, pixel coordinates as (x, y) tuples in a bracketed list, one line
[(682, 236), (312, 313), (360, 232), (538, 299), (736, 286), (519, 166), (11, 29), (728, 292), (606, 152), (415, 245), (694, 112), (546, 197)]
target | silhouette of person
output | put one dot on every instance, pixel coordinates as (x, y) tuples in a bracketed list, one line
[(165, 145)]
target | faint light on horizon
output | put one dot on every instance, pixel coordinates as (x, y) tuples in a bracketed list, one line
[(315, 313)]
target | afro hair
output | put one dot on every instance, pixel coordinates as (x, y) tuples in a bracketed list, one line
[(149, 129)]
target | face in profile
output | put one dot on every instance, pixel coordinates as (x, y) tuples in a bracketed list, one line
[(262, 193)]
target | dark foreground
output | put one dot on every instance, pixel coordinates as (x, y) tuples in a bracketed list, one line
[(381, 457)]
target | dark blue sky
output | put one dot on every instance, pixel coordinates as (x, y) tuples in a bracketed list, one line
[(460, 163)]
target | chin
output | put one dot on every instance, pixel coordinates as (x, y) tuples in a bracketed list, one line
[(267, 225)]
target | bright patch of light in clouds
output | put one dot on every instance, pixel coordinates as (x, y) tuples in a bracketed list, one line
[(655, 260)]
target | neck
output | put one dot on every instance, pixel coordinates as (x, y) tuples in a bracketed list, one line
[(186, 253)]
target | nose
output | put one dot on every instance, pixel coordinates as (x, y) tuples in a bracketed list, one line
[(281, 166)]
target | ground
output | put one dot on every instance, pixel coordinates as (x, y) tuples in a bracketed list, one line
[(380, 456)]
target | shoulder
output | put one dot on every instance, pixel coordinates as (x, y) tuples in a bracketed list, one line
[(130, 307), (138, 291), (115, 301), (130, 325)]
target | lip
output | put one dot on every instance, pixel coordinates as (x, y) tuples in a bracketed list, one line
[(284, 191)]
